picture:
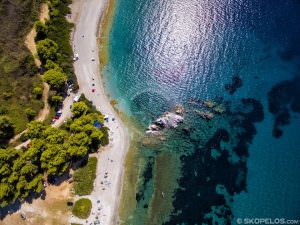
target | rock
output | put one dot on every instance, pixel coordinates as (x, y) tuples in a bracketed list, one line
[(205, 115), (219, 109), (209, 104), (179, 110), (168, 120)]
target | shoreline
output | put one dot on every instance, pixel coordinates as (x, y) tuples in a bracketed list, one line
[(111, 159)]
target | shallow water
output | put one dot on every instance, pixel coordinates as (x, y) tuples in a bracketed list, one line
[(243, 162)]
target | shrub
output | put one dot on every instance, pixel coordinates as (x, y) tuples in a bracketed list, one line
[(7, 95), (41, 30), (55, 79), (79, 109), (52, 65), (56, 99), (30, 113), (105, 138), (38, 92), (6, 129), (47, 49), (82, 208), (84, 177)]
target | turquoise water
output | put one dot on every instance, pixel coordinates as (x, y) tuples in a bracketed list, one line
[(244, 56)]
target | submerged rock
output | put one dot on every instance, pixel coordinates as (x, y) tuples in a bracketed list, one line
[(219, 109), (209, 104), (205, 115)]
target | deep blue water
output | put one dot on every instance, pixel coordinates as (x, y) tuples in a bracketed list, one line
[(241, 54)]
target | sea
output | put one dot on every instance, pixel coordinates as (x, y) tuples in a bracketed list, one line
[(234, 66)]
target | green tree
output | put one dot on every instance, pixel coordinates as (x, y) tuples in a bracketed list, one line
[(54, 160), (79, 109), (41, 30), (54, 135), (52, 65), (55, 79), (7, 157), (5, 193), (30, 113), (47, 49), (56, 99), (6, 129), (77, 151), (35, 129), (38, 92), (33, 153), (80, 139)]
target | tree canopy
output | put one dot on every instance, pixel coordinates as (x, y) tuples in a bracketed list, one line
[(51, 151), (47, 49), (79, 109), (41, 30), (6, 129), (55, 79)]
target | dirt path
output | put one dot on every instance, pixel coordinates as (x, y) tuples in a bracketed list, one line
[(30, 43)]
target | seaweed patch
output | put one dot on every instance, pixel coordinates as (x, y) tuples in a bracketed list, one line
[(208, 183), (234, 85), (283, 99)]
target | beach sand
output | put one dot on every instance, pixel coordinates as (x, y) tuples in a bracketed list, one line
[(110, 167)]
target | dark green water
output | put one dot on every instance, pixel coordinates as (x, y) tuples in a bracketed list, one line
[(244, 56)]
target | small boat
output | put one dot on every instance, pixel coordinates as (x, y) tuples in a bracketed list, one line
[(162, 194)]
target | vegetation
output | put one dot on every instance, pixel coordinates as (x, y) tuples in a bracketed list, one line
[(79, 109), (53, 39), (17, 69), (6, 129), (84, 177), (55, 79), (47, 50), (51, 152), (31, 113), (82, 208)]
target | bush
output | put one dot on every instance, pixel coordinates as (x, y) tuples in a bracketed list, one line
[(79, 109), (3, 110), (47, 49), (55, 79), (7, 95), (52, 65), (56, 99), (41, 30), (30, 113), (38, 92), (82, 208), (105, 138), (6, 129), (84, 177)]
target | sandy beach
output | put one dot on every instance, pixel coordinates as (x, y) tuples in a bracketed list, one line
[(106, 194)]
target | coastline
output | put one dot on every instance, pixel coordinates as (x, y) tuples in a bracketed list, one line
[(111, 158)]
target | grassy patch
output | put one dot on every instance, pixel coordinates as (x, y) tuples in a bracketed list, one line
[(17, 70), (82, 208), (84, 177)]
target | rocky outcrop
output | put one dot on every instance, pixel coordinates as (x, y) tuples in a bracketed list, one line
[(168, 120)]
